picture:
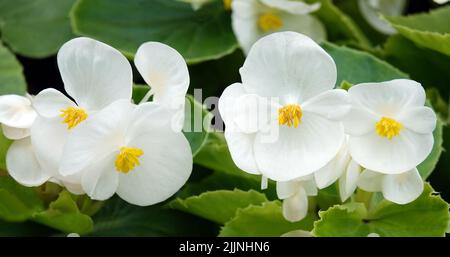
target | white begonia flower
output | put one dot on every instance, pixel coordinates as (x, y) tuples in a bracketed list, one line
[(372, 10), (304, 129), (441, 1), (166, 72), (398, 188), (16, 116), (94, 75), (390, 130), (295, 194), (254, 19), (129, 150), (342, 169)]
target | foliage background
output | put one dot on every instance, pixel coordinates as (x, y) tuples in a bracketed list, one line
[(219, 198)]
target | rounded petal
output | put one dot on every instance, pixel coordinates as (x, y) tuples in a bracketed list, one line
[(294, 7), (165, 70), (402, 188), (391, 156), (15, 133), (48, 137), (49, 103), (23, 166), (150, 116), (244, 20), (419, 119), (97, 137), (388, 98), (300, 151), (227, 101), (360, 121), (94, 74), (308, 25), (16, 111), (100, 180), (164, 168), (240, 146), (371, 11), (295, 208), (331, 172), (348, 182), (370, 181), (288, 65), (287, 189), (332, 104), (297, 233), (253, 113)]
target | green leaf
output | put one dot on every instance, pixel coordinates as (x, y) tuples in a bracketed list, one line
[(340, 27), (12, 80), (64, 215), (17, 203), (357, 67), (264, 220), (198, 35), (35, 28), (427, 166), (426, 216), (424, 65), (430, 30), (23, 229), (218, 206), (118, 218), (197, 124), (4, 146)]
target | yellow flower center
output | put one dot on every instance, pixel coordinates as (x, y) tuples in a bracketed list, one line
[(290, 115), (128, 159), (269, 22), (388, 127), (73, 116), (227, 4)]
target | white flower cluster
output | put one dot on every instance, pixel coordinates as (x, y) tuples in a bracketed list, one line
[(286, 122), (97, 141)]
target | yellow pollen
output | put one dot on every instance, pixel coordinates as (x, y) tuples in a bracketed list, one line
[(227, 4), (290, 115), (128, 159), (73, 116), (269, 22), (388, 127)]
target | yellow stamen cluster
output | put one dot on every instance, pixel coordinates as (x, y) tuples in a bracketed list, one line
[(227, 4), (290, 115), (73, 116), (387, 127), (269, 22), (128, 159)]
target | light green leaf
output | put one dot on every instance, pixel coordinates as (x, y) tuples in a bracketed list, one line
[(430, 30), (35, 28), (4, 146), (64, 215), (427, 166), (198, 35), (218, 206), (264, 220), (357, 67), (426, 216), (17, 203), (12, 80), (118, 218)]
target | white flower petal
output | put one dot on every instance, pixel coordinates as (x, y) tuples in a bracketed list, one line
[(151, 116), (164, 168), (94, 74), (329, 174), (295, 208), (240, 146), (370, 181), (332, 104), (402, 188), (297, 233), (310, 187), (288, 65), (227, 101), (308, 25), (252, 113), (371, 11), (100, 180), (96, 137), (294, 7), (419, 119), (50, 102), (23, 166), (360, 121), (391, 156), (348, 182), (287, 189), (16, 111), (388, 98), (298, 151), (15, 133), (245, 22), (164, 69)]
